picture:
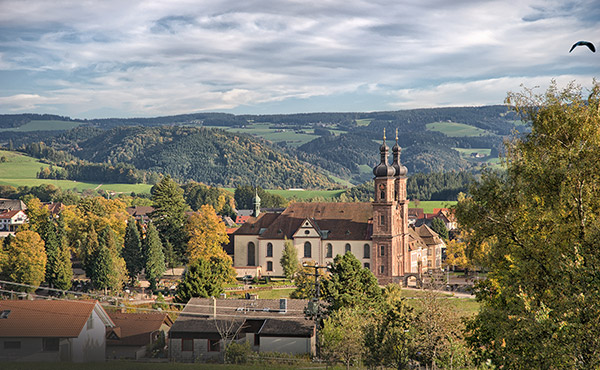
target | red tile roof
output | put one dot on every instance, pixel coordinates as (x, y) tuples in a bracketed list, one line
[(136, 328), (9, 214), (342, 221), (45, 318)]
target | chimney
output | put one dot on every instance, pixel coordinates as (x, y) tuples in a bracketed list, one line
[(283, 305), (214, 307)]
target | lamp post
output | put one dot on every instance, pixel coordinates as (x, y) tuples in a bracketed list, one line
[(316, 301)]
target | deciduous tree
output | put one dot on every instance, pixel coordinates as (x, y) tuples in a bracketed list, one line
[(207, 234), (289, 259), (25, 260), (205, 278)]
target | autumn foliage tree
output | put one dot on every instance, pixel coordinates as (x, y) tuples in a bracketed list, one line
[(207, 234), (24, 260), (540, 220)]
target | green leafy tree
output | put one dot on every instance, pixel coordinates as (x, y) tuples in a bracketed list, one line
[(169, 214), (304, 280), (351, 285), (289, 259), (439, 227), (155, 259), (540, 222), (205, 278), (132, 250), (342, 336), (24, 260), (388, 339)]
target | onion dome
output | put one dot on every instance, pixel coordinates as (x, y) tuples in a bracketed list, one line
[(383, 169), (400, 170)]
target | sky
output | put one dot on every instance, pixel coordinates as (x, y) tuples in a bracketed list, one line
[(100, 59)]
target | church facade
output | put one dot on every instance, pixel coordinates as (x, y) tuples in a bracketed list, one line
[(377, 233)]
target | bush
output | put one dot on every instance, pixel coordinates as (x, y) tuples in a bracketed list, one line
[(237, 353)]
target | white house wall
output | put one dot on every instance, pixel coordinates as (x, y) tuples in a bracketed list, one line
[(31, 350), (90, 345)]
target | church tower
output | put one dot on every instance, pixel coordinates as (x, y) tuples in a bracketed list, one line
[(386, 249), (401, 213)]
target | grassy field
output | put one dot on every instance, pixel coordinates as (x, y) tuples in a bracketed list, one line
[(21, 170), (429, 205), (454, 129), (363, 122), (47, 125), (264, 131), (467, 152)]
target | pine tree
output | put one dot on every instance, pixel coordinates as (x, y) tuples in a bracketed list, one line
[(103, 269), (169, 214), (132, 250), (439, 227), (155, 259), (89, 248), (205, 278), (59, 271)]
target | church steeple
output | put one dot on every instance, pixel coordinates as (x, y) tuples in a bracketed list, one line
[(398, 167), (256, 203), (383, 169)]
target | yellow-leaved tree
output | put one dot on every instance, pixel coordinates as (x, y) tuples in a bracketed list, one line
[(207, 234), (24, 260)]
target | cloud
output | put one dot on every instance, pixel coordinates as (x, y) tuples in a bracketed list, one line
[(151, 58)]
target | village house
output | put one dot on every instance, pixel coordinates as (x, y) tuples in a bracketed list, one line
[(268, 325), (11, 220), (12, 205), (377, 233), (135, 333), (52, 330)]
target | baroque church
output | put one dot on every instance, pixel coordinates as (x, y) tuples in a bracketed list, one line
[(377, 233)]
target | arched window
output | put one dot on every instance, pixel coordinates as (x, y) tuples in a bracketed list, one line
[(307, 250), (269, 250), (269, 265), (366, 251), (382, 269), (367, 265), (251, 254), (348, 248), (382, 196), (328, 250)]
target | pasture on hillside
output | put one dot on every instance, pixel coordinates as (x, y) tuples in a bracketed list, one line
[(44, 125), (454, 129)]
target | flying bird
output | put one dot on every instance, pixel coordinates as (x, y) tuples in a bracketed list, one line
[(583, 43)]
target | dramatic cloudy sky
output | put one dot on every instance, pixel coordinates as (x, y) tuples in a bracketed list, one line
[(131, 58)]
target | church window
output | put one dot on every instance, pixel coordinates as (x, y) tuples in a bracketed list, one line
[(382, 269), (367, 265), (348, 248), (307, 250), (269, 250), (328, 250), (366, 251), (382, 195), (251, 254), (269, 265), (382, 219), (382, 250)]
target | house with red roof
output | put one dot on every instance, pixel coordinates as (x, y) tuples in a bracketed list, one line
[(134, 333), (53, 330), (11, 220)]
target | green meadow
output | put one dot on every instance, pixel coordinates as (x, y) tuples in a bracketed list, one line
[(264, 131), (21, 170), (454, 129), (44, 125)]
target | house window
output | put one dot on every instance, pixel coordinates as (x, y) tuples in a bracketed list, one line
[(50, 344), (269, 250), (367, 265), (269, 265), (307, 250), (328, 250), (90, 323), (187, 344), (429, 251), (12, 344), (429, 264), (251, 254), (348, 248), (382, 250), (382, 269), (214, 345), (366, 251)]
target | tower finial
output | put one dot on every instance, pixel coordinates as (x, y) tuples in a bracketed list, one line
[(384, 135), (396, 135)]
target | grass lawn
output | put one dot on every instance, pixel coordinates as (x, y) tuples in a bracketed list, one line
[(454, 129), (44, 125)]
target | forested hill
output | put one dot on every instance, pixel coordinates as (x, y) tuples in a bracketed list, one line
[(211, 156)]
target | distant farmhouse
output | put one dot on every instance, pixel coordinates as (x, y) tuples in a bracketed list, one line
[(377, 233)]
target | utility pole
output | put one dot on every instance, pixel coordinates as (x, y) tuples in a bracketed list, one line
[(315, 309)]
